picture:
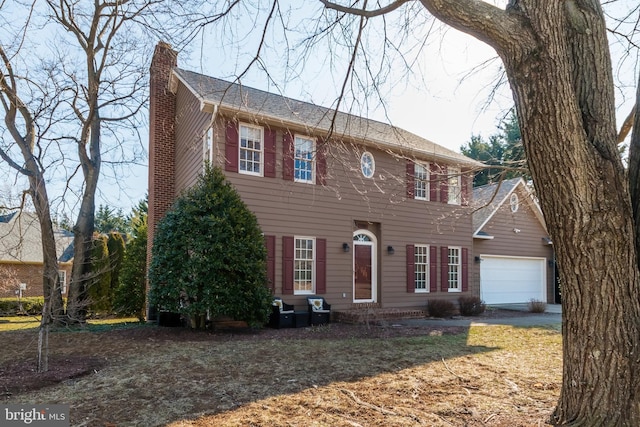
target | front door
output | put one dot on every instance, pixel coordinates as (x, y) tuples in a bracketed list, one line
[(364, 266)]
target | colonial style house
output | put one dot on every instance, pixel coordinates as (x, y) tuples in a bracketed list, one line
[(512, 249), (21, 255), (360, 212)]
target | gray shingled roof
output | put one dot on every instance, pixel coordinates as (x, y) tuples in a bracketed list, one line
[(488, 198), (20, 239), (315, 119)]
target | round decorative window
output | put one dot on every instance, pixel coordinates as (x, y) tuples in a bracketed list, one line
[(514, 202), (367, 164)]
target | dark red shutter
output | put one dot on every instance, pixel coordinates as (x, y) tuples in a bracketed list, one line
[(444, 269), (270, 243), (433, 182), (321, 266), (465, 269), (287, 264), (269, 153), (444, 185), (231, 147), (287, 156), (411, 176), (433, 269), (321, 162), (411, 269)]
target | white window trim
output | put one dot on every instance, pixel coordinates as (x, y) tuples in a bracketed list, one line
[(427, 182), (454, 198), (207, 145), (261, 129), (427, 288), (459, 284), (313, 160), (313, 266)]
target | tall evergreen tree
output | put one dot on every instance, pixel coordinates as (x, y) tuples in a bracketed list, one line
[(504, 150), (209, 256)]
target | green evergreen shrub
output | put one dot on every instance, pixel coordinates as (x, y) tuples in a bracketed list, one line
[(209, 256), (131, 292), (100, 280), (471, 306), (30, 305), (116, 247), (441, 308)]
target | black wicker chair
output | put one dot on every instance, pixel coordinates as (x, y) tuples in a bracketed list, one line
[(282, 314), (319, 310)]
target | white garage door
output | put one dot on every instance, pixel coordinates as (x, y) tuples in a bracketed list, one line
[(505, 280)]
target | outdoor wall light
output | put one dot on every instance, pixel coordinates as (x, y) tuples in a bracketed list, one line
[(390, 250), (345, 247), (477, 259)]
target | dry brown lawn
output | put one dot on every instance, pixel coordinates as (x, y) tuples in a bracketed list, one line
[(335, 375)]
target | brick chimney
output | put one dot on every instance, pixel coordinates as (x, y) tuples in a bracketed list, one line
[(162, 113)]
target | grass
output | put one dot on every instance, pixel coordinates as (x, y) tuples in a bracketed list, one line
[(483, 376), (21, 323)]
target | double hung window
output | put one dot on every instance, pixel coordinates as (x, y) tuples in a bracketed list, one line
[(303, 159), (421, 181), (454, 187), (421, 268), (251, 150), (304, 266), (455, 269)]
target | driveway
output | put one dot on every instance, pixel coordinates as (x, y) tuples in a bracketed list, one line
[(552, 316)]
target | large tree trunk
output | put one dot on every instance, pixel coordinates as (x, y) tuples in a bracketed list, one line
[(564, 96), (557, 60)]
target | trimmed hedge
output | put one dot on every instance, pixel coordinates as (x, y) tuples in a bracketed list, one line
[(30, 305)]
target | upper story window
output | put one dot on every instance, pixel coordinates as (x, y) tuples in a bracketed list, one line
[(207, 146), (304, 266), (251, 150), (303, 159), (454, 276), (421, 181), (454, 187), (421, 268)]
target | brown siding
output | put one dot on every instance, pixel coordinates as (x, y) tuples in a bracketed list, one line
[(285, 209), (191, 124), (527, 242)]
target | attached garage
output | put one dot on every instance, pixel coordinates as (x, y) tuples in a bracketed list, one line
[(507, 280)]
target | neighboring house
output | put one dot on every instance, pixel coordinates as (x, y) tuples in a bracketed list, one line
[(514, 261), (21, 255), (360, 212)]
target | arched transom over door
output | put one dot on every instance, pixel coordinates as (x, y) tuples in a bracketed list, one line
[(364, 266)]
